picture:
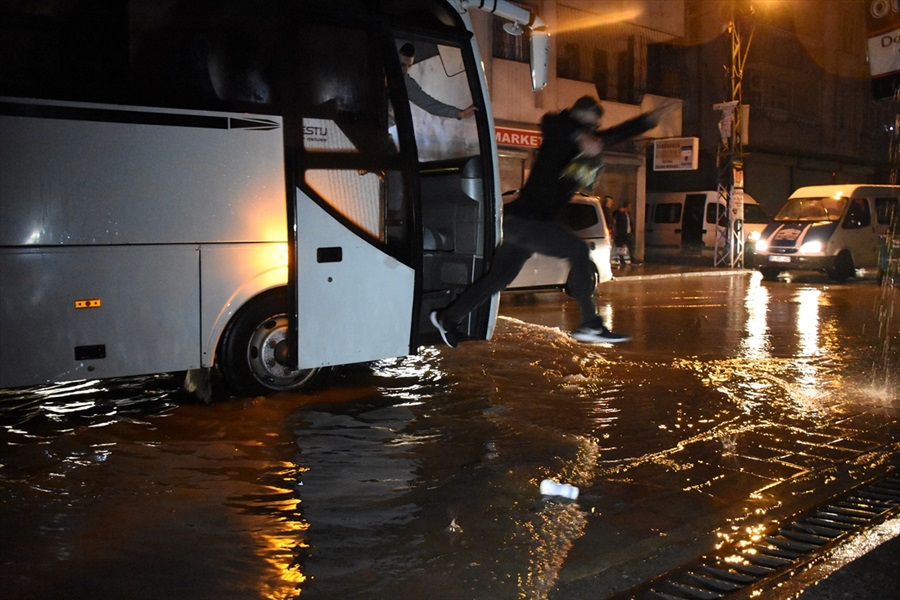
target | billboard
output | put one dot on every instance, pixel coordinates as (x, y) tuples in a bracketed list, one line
[(676, 154)]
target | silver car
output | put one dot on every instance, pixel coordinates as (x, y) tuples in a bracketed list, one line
[(584, 215)]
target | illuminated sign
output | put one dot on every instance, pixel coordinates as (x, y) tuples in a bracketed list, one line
[(509, 136), (676, 154)]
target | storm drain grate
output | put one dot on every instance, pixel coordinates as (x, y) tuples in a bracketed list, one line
[(784, 550)]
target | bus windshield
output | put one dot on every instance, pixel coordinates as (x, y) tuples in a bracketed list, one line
[(812, 209)]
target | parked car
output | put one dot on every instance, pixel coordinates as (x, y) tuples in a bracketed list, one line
[(832, 228), (584, 215), (679, 223)]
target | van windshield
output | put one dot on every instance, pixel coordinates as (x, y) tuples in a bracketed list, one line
[(812, 209)]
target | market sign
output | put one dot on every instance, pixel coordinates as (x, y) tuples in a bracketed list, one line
[(510, 136), (676, 154)]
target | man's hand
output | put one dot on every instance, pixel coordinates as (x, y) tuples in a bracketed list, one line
[(465, 113)]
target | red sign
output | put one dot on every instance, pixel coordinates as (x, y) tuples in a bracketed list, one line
[(509, 136)]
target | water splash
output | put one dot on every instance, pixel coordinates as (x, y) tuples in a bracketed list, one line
[(887, 361)]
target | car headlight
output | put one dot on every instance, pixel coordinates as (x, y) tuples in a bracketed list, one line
[(814, 247), (753, 236), (762, 245)]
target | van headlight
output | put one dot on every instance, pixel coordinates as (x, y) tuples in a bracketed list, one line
[(814, 247), (762, 245), (753, 236)]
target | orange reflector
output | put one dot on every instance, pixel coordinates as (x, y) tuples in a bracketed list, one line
[(88, 303)]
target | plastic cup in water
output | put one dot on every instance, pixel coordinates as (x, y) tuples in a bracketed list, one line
[(553, 488)]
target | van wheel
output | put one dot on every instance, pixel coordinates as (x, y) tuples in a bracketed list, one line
[(253, 352), (769, 274), (842, 270)]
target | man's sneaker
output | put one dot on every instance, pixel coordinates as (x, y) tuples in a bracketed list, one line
[(447, 333), (597, 333)]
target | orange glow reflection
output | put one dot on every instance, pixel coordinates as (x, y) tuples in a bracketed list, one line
[(278, 544)]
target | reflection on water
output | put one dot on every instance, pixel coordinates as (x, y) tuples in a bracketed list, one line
[(280, 538), (61, 402), (756, 302), (808, 320), (814, 336)]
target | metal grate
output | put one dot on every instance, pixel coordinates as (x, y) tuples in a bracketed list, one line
[(790, 547)]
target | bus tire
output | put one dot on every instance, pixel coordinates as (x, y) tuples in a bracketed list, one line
[(253, 349), (842, 269)]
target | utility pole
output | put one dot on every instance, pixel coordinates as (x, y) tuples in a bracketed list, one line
[(729, 249)]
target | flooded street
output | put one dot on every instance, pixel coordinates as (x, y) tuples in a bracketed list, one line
[(737, 405)]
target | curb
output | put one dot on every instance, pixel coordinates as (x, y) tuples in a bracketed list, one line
[(679, 274)]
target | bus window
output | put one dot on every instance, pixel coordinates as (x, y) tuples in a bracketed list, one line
[(63, 50), (343, 101), (440, 72), (210, 55), (356, 196), (337, 115)]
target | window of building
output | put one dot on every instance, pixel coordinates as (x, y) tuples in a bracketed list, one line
[(600, 77), (568, 63), (510, 47)]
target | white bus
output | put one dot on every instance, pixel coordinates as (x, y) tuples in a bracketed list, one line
[(211, 185)]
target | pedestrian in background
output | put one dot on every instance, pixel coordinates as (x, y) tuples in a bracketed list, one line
[(623, 236)]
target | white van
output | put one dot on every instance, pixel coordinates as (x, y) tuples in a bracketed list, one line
[(584, 215), (831, 228), (679, 223)]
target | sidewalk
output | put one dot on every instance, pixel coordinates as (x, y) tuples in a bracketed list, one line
[(871, 575), (663, 271)]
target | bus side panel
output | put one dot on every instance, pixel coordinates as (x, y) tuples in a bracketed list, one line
[(78, 177), (87, 313)]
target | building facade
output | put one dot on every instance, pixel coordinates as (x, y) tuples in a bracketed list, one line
[(812, 117)]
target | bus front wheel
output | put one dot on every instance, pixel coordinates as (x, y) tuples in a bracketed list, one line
[(253, 352)]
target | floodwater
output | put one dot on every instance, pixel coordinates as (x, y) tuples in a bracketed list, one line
[(737, 404)]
